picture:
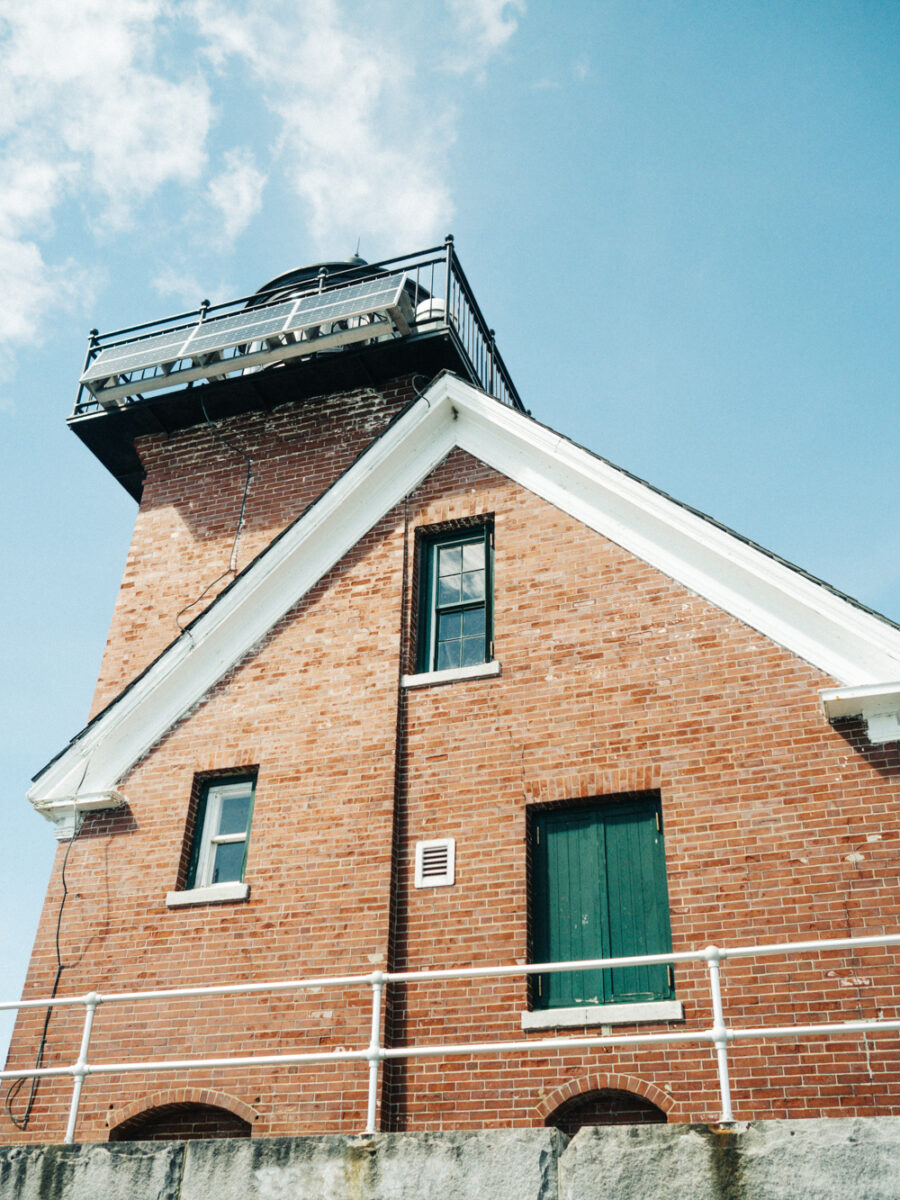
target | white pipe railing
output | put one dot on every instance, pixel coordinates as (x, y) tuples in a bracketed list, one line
[(718, 1035)]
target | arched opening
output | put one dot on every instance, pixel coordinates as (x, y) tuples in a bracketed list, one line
[(180, 1123), (605, 1106)]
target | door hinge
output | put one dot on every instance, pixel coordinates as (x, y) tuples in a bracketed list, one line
[(658, 824), (540, 989), (671, 973)]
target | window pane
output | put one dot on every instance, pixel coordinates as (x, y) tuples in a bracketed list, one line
[(453, 600), (229, 859), (473, 585), (473, 556), (448, 656), (449, 590), (449, 560), (473, 622), (235, 814), (449, 626), (472, 651)]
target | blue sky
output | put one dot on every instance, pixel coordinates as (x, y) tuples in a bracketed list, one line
[(681, 216)]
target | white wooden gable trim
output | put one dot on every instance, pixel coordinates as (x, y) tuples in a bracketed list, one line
[(851, 645)]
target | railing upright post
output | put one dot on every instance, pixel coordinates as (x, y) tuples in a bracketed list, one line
[(713, 957), (93, 342), (80, 1069), (448, 283), (375, 1054)]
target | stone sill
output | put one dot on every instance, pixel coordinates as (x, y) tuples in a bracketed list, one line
[(216, 893), (603, 1014), (456, 675)]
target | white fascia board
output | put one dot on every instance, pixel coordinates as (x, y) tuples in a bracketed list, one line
[(852, 646), (877, 704)]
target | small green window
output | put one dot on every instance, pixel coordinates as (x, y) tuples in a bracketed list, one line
[(222, 831), (456, 600)]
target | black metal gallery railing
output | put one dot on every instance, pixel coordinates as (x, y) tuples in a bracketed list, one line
[(437, 299)]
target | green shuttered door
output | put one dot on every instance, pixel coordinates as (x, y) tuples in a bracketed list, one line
[(599, 891)]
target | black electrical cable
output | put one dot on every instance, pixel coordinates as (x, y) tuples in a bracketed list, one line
[(17, 1084), (232, 559)]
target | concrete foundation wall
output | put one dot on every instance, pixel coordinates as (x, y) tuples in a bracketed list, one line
[(766, 1160)]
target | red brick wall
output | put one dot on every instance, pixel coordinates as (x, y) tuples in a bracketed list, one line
[(184, 531), (614, 679)]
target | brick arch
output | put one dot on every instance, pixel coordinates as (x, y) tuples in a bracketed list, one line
[(598, 1083), (182, 1095)]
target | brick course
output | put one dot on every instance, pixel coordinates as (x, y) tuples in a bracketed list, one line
[(615, 679)]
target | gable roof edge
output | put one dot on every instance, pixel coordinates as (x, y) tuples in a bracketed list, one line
[(848, 643)]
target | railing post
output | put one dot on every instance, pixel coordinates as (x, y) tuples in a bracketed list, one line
[(374, 1050), (713, 956), (80, 1069), (93, 337), (448, 283)]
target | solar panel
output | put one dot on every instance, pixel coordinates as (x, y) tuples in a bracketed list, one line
[(252, 325), (133, 356), (346, 302), (249, 330)]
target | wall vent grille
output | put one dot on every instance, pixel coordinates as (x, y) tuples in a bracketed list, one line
[(435, 863)]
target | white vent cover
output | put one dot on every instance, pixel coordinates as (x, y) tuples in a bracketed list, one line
[(435, 863)]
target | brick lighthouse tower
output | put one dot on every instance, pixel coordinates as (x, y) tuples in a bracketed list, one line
[(401, 680)]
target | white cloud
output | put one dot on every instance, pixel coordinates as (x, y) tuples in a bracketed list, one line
[(236, 192), (186, 288), (29, 191), (365, 158), (84, 116), (104, 105), (31, 289), (483, 27), (77, 81)]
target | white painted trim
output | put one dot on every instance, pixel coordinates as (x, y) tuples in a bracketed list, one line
[(455, 675), (65, 811), (878, 705), (852, 646), (214, 893), (603, 1014)]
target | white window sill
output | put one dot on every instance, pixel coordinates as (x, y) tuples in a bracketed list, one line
[(431, 678), (216, 893), (603, 1014)]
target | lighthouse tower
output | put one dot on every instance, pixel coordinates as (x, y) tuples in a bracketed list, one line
[(408, 700)]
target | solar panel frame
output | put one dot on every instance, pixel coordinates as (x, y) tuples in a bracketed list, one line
[(136, 355), (354, 300), (250, 327)]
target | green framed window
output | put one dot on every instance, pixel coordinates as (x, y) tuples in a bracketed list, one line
[(598, 890), (222, 832), (456, 600)]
